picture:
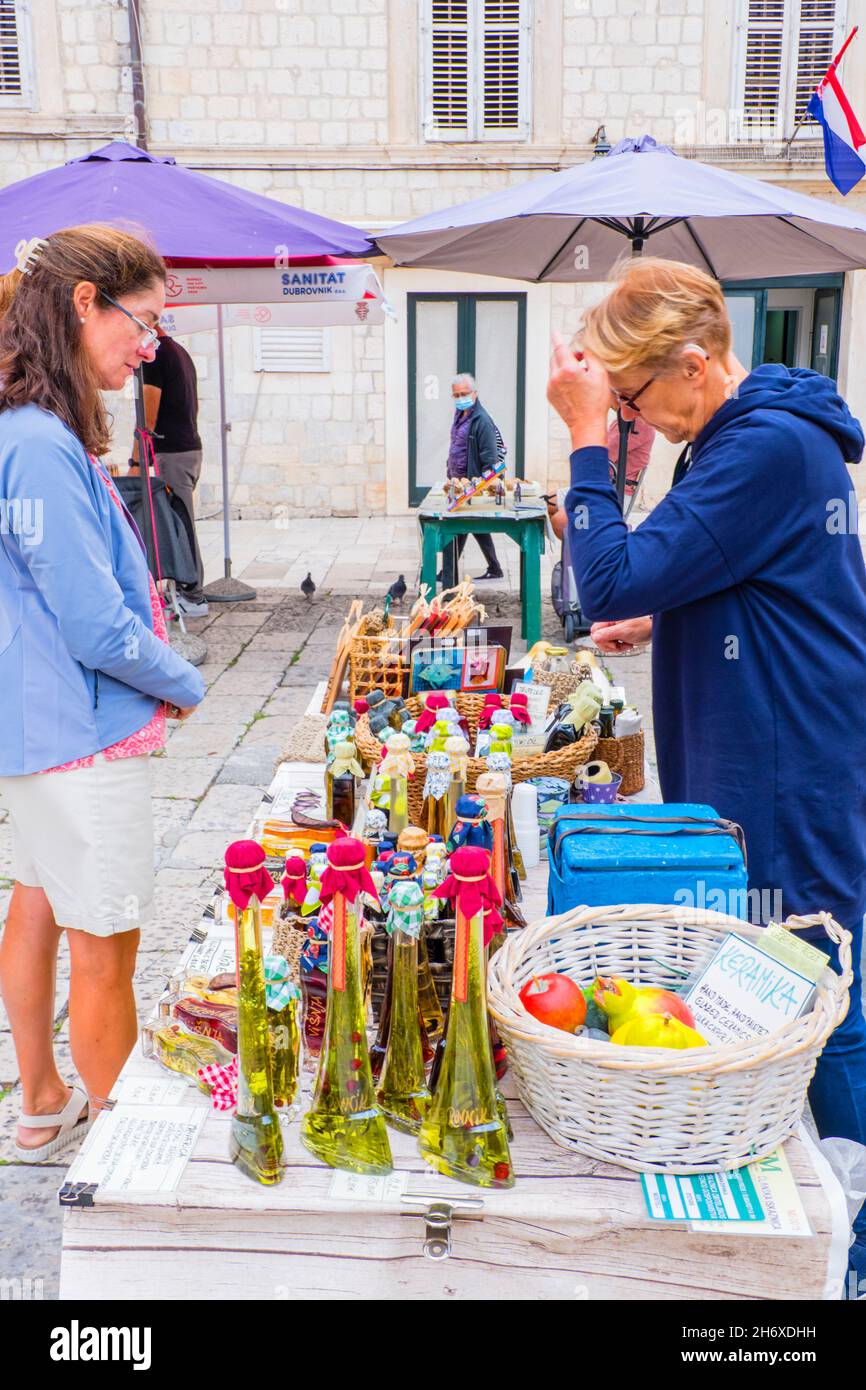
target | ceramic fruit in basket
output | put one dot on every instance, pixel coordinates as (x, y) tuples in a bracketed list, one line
[(656, 1030), (622, 1001), (555, 1000)]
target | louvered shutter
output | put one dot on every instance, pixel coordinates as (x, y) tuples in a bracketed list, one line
[(816, 45), (292, 350), (503, 62), (765, 65), (450, 107), (476, 66), (11, 74)]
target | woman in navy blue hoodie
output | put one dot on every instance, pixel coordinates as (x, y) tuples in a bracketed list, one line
[(752, 574)]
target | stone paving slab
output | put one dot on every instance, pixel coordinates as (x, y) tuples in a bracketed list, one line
[(198, 849), (227, 808), (177, 776), (237, 680), (253, 766), (193, 740)]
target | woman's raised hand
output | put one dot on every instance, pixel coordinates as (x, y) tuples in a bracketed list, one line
[(579, 392)]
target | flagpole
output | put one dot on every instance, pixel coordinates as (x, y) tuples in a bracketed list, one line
[(832, 68)]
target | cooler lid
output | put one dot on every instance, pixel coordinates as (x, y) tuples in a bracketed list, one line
[(646, 836)]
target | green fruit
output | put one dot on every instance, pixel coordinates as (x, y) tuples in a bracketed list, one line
[(595, 1017)]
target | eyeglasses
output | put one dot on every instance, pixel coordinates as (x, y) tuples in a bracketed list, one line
[(150, 337), (629, 401)]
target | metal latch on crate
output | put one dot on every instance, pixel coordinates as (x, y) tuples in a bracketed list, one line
[(438, 1215)]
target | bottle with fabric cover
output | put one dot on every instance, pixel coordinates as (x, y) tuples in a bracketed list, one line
[(402, 1091), (344, 1126), (463, 1134), (255, 1143), (398, 766), (283, 999), (343, 773)]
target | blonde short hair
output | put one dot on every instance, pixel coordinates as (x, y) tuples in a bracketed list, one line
[(654, 309)]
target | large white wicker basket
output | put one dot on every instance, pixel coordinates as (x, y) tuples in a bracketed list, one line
[(653, 1109)]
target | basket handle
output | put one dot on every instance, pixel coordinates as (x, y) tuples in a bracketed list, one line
[(837, 934), (699, 826)]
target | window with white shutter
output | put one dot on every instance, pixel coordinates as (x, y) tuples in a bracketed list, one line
[(784, 49), (292, 350), (16, 69), (476, 56)]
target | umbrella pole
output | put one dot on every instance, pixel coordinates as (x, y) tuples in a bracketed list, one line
[(227, 589), (625, 428), (194, 649)]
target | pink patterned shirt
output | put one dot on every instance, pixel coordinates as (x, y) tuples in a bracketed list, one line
[(152, 737)]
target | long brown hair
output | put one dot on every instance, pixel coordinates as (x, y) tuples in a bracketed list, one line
[(42, 360)]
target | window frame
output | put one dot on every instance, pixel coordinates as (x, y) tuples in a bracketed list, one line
[(788, 77), (26, 98), (474, 133)]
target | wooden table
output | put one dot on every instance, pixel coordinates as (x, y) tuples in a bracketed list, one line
[(571, 1228), (525, 525)]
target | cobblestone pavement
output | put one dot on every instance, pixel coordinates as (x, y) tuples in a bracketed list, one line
[(264, 660)]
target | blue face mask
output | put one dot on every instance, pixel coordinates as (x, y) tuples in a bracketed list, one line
[(463, 402)]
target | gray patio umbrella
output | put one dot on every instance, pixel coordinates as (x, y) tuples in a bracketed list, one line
[(573, 225)]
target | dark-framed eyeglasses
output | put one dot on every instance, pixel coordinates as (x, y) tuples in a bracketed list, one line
[(149, 336), (630, 400)]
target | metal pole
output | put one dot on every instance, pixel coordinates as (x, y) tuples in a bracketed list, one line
[(227, 589), (135, 67)]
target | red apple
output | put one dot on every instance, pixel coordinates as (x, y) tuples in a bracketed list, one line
[(555, 1000)]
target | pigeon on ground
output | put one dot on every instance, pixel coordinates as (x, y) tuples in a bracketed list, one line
[(308, 588), (398, 589)]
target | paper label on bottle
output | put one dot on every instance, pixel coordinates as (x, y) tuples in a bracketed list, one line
[(362, 1187), (338, 944), (460, 979)]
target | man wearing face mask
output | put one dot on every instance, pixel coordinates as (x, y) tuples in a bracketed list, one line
[(473, 449)]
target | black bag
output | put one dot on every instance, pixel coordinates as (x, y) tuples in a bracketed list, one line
[(176, 556)]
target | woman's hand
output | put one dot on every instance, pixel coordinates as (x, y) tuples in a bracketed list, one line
[(579, 392), (175, 712), (618, 637)]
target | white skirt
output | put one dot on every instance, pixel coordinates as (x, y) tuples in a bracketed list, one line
[(86, 838)]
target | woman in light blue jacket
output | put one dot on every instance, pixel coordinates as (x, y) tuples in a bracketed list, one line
[(87, 677)]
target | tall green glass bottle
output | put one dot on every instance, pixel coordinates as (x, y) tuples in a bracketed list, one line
[(463, 1135), (256, 1143), (403, 1093), (345, 1126)]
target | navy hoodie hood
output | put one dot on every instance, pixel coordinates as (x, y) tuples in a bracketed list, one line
[(800, 392)]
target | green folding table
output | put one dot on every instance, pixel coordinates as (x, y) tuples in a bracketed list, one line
[(525, 524)]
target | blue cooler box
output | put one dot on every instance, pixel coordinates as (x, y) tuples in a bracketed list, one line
[(630, 853)]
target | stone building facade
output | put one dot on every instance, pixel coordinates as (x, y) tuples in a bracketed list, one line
[(339, 106)]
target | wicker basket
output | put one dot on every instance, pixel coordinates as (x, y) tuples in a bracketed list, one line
[(562, 683), (651, 1109), (625, 756), (563, 763), (375, 664)]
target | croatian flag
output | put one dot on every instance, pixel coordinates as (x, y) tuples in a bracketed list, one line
[(844, 141)]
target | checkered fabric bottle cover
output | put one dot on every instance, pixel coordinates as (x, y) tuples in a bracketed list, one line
[(279, 989), (406, 907)]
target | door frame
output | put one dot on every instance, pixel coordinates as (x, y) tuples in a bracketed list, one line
[(835, 282), (466, 300)]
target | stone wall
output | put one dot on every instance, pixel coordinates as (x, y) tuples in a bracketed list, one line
[(316, 103)]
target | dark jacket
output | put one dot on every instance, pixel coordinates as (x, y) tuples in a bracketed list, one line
[(757, 588), (482, 452)]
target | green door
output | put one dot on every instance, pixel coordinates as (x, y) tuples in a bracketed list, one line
[(484, 334)]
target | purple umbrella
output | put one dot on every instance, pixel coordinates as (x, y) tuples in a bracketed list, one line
[(573, 225), (191, 217)]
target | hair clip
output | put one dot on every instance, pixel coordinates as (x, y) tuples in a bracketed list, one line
[(27, 253)]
